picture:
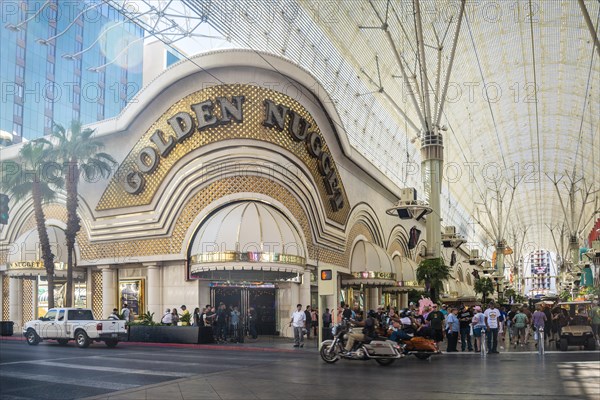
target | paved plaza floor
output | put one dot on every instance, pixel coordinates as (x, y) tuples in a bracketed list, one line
[(270, 368)]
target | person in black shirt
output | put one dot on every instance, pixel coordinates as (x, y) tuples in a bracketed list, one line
[(436, 323), (512, 332), (222, 323), (347, 313), (326, 318), (368, 331), (252, 323), (464, 318), (308, 321)]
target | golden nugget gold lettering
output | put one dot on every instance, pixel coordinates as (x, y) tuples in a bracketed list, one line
[(202, 116)]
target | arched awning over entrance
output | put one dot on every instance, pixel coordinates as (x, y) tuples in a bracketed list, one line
[(370, 265), (25, 255), (405, 269), (247, 241)]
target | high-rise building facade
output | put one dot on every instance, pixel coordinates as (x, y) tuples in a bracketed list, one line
[(64, 61), (540, 273)]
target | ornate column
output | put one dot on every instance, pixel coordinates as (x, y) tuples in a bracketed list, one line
[(109, 290), (154, 285), (14, 302), (34, 298), (373, 296), (287, 298), (203, 293), (305, 289), (403, 301)]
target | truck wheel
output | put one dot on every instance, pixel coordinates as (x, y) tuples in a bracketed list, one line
[(62, 342), (32, 337), (82, 340), (564, 346), (111, 343)]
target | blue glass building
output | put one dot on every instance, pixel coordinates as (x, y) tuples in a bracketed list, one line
[(70, 60)]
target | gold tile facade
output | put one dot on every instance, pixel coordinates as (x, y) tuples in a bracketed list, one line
[(96, 294), (126, 251), (396, 246), (5, 299), (27, 299), (251, 128)]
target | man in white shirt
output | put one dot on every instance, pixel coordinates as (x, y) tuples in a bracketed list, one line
[(167, 319), (492, 324), (298, 322), (126, 312)]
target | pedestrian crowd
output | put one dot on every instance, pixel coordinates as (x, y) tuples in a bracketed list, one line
[(473, 326), (226, 322)]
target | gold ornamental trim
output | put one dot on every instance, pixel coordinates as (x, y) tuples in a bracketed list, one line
[(34, 265), (220, 113), (248, 256), (374, 275)]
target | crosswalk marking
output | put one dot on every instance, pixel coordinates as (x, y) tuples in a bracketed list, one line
[(68, 381), (111, 369)]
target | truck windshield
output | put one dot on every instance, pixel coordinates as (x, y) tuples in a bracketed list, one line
[(80, 315)]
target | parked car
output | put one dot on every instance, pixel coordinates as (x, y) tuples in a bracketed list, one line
[(578, 332), (65, 324)]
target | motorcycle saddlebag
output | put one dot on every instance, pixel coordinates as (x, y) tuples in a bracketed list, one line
[(421, 344)]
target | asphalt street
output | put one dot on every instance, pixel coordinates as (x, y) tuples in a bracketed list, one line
[(131, 371)]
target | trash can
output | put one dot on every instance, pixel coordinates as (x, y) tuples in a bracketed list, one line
[(6, 328)]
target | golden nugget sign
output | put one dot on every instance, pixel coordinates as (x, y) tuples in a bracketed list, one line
[(212, 113), (32, 265), (374, 275)]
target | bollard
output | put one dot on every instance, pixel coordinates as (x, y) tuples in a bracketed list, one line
[(540, 335), (483, 344)]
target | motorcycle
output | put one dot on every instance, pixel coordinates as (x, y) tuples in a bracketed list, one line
[(382, 350)]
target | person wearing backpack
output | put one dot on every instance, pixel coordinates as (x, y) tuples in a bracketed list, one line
[(520, 321)]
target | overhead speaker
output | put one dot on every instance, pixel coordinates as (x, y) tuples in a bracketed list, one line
[(404, 213)]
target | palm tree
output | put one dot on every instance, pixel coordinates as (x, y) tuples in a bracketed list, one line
[(80, 155), (433, 272), (32, 179), (485, 286)]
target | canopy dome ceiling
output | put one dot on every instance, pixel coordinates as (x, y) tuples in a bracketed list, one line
[(28, 247), (248, 227), (522, 104)]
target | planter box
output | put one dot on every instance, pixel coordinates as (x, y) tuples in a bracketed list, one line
[(6, 328), (169, 334)]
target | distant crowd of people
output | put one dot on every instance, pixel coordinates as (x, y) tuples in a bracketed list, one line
[(467, 325), (226, 322)]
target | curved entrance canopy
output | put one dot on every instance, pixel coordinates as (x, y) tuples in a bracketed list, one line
[(25, 255), (370, 265), (247, 241)]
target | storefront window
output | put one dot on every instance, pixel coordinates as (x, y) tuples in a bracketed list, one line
[(131, 292), (60, 290), (80, 295)]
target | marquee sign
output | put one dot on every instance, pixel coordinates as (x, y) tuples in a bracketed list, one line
[(220, 113)]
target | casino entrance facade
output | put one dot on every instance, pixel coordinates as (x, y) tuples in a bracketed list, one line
[(235, 183)]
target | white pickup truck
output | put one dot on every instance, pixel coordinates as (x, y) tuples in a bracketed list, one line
[(64, 324)]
